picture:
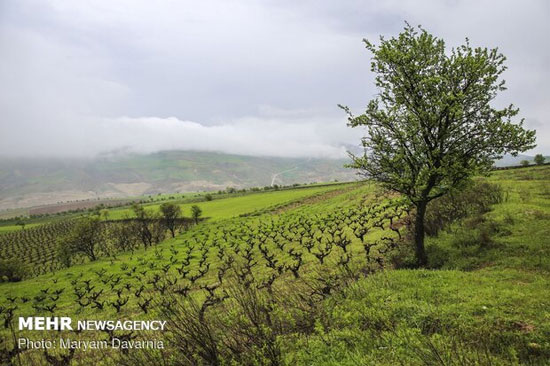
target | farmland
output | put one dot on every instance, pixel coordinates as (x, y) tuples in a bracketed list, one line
[(226, 208), (320, 276), (38, 242)]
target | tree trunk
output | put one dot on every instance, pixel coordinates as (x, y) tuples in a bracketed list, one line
[(421, 258), (91, 253)]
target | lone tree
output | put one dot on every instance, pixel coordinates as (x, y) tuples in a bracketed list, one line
[(539, 159), (196, 212), (431, 125), (170, 215)]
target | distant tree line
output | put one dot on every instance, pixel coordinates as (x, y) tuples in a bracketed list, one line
[(93, 236), (538, 160)]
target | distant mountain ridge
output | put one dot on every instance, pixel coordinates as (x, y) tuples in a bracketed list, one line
[(28, 182), (509, 160)]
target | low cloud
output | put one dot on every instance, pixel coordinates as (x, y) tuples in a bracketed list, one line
[(248, 136), (294, 137)]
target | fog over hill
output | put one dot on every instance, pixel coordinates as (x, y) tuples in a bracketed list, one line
[(26, 182)]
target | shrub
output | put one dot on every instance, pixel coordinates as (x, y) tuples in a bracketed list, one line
[(11, 270), (403, 256), (539, 159), (437, 256), (123, 236), (196, 212), (476, 198), (465, 238)]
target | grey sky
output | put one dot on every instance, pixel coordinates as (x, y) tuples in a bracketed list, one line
[(253, 77)]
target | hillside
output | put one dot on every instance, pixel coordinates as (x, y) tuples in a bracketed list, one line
[(322, 279), (32, 182)]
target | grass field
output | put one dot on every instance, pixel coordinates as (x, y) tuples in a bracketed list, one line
[(482, 301), (9, 228), (231, 207)]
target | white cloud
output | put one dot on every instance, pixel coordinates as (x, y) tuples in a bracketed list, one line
[(265, 136), (249, 136)]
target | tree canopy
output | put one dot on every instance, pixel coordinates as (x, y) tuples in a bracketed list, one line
[(432, 124)]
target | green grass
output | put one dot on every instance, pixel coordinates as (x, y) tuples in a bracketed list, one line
[(419, 317), (223, 208), (9, 228)]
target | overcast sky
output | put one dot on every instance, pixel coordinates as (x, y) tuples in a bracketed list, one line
[(78, 78)]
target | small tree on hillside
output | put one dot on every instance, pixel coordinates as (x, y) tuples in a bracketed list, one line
[(170, 215), (432, 126), (157, 228), (196, 212), (142, 227), (85, 238), (539, 159), (123, 236), (524, 163)]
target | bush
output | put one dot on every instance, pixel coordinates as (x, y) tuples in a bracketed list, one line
[(404, 256), (196, 213), (208, 197), (539, 159), (438, 256), (465, 239), (12, 270), (474, 199)]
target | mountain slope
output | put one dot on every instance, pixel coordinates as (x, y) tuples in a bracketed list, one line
[(29, 182)]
